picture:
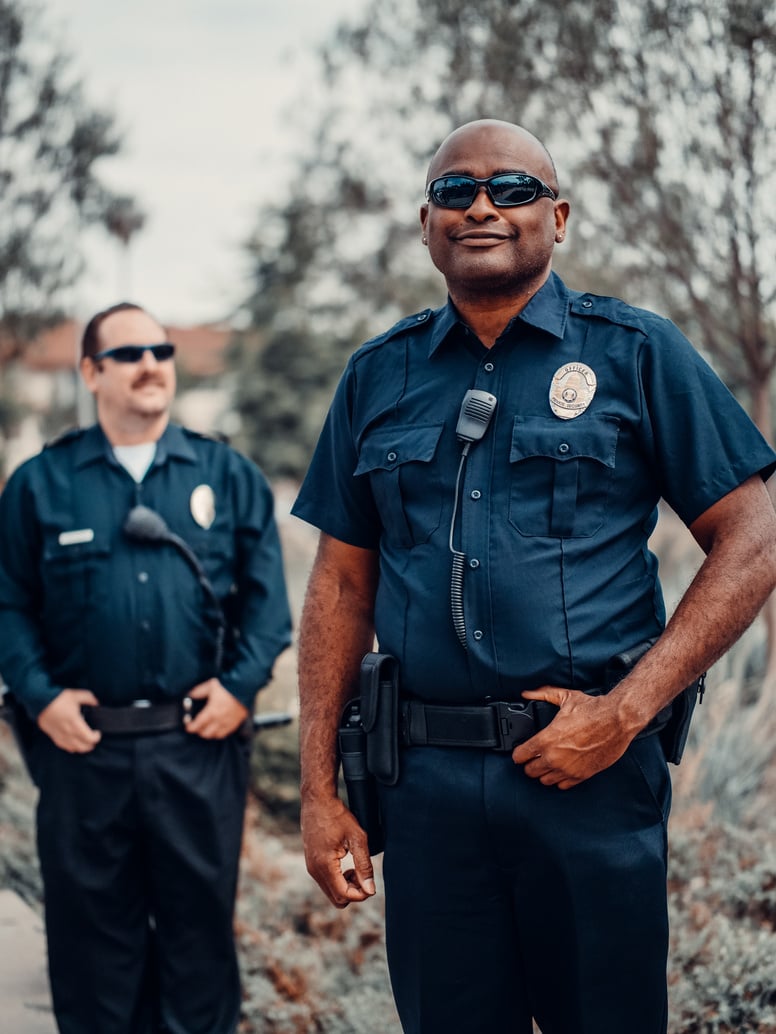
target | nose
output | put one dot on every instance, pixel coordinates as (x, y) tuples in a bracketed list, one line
[(482, 207), (148, 360)]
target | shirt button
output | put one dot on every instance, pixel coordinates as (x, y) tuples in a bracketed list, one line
[(489, 367), (391, 457), (477, 634), (422, 316), (563, 447), (143, 577), (474, 563), (145, 625), (476, 494), (587, 304)]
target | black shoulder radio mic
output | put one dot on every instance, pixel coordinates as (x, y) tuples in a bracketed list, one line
[(477, 410)]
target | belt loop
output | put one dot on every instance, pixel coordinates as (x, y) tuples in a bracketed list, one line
[(416, 722)]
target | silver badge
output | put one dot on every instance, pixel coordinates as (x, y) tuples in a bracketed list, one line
[(572, 390), (203, 506)]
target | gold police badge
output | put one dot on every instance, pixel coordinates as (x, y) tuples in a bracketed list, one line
[(203, 506), (572, 390)]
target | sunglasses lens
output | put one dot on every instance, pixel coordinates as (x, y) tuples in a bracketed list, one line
[(453, 191), (162, 352), (126, 354), (513, 190), (134, 353), (507, 190)]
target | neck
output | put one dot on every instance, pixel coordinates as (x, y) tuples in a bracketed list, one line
[(133, 430), (488, 314)]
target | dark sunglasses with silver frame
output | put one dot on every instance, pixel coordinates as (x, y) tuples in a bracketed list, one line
[(505, 190), (134, 353)]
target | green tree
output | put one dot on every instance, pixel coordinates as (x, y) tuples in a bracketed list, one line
[(662, 117), (51, 139)]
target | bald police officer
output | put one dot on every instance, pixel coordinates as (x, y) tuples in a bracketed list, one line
[(142, 605), (485, 485)]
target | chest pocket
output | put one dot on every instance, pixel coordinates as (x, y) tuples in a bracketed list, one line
[(74, 576), (405, 483), (561, 475)]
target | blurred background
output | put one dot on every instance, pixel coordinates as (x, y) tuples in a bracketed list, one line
[(251, 173)]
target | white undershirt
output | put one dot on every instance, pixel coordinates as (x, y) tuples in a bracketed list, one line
[(136, 458)]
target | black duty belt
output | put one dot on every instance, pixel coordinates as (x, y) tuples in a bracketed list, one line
[(141, 716), (499, 725)]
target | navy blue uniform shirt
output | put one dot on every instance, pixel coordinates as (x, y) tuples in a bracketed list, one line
[(84, 607), (554, 514)]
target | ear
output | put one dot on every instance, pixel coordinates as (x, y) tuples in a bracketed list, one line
[(562, 209), (424, 215), (89, 370)]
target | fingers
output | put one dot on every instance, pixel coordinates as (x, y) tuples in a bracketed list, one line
[(220, 717), (330, 833), (363, 871), (64, 723)]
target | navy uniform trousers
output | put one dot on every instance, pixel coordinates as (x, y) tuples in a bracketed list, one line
[(508, 900), (139, 844)]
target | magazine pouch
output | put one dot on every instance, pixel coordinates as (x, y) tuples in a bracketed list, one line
[(380, 715)]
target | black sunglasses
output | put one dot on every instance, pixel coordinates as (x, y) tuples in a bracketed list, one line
[(134, 353), (506, 190)]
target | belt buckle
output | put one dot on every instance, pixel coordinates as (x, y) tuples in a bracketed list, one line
[(515, 723)]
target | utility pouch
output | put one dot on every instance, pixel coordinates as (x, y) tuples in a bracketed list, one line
[(380, 715), (360, 784), (672, 723)]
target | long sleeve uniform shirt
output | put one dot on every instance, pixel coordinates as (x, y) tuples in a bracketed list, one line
[(553, 511), (84, 606)]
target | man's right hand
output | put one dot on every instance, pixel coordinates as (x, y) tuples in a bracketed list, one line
[(63, 722), (330, 832)]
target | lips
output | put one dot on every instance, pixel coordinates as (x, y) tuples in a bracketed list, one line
[(480, 238)]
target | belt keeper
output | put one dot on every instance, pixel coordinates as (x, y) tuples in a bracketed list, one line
[(414, 714)]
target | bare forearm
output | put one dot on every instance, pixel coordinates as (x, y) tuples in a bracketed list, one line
[(337, 629), (729, 590)]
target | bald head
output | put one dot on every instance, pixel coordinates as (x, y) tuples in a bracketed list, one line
[(499, 141)]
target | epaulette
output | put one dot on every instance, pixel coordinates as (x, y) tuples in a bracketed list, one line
[(210, 436), (418, 319), (68, 435)]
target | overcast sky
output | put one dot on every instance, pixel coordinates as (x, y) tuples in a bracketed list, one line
[(202, 90)]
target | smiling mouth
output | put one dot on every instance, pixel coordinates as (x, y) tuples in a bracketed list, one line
[(480, 238)]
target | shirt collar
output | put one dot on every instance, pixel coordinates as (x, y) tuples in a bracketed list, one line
[(547, 310), (93, 445)]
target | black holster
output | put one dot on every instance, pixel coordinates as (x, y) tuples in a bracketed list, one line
[(672, 723), (369, 743)]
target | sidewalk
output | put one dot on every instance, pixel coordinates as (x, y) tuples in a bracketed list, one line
[(23, 981)]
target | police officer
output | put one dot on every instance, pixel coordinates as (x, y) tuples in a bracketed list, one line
[(137, 644), (499, 550)]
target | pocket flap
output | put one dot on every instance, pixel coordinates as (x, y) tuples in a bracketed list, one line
[(389, 447), (594, 438)]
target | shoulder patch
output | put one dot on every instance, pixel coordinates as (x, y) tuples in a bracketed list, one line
[(68, 435)]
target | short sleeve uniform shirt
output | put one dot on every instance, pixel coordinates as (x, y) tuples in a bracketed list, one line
[(83, 606), (555, 504)]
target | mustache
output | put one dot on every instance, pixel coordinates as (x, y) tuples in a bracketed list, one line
[(148, 378)]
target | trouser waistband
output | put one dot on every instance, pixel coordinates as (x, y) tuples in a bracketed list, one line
[(141, 716)]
